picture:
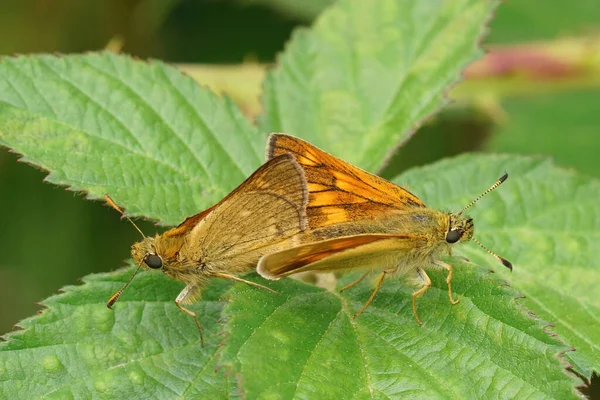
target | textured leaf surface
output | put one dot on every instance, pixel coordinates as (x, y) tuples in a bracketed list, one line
[(369, 72), (78, 348), (143, 132), (307, 345), (547, 222)]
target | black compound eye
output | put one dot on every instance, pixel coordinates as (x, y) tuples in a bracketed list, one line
[(153, 261), (453, 236)]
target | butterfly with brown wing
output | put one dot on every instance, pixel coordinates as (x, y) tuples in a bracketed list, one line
[(264, 214), (360, 221)]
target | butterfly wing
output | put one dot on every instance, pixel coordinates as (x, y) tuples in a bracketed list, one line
[(344, 253), (190, 222), (258, 217), (339, 191)]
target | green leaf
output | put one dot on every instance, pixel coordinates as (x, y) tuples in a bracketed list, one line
[(305, 344), (166, 148), (369, 72), (546, 221), (78, 348), (142, 132)]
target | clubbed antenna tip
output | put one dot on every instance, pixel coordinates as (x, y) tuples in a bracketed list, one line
[(503, 260), (503, 177), (506, 263), (116, 296)]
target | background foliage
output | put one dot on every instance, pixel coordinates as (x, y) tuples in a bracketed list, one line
[(63, 233)]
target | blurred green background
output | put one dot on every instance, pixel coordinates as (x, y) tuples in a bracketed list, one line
[(50, 237)]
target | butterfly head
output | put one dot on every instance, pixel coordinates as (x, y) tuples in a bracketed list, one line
[(144, 254), (460, 229)]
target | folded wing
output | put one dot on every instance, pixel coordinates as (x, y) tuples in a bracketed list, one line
[(258, 217), (344, 253)]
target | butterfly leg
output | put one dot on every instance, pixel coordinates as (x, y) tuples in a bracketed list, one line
[(379, 283), (237, 279), (356, 282), (426, 284), (448, 279), (189, 291)]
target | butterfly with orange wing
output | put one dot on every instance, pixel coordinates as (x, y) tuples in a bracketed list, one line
[(358, 220)]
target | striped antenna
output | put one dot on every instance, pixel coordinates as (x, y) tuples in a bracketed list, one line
[(494, 186), (116, 207), (503, 260), (116, 296)]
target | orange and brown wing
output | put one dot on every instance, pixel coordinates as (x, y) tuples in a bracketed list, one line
[(263, 176), (266, 212), (339, 191), (344, 253)]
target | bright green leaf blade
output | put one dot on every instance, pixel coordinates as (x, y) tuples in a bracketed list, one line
[(142, 132), (305, 344), (369, 72), (78, 348), (546, 221)]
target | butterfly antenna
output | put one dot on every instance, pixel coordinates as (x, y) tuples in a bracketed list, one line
[(116, 207), (116, 296), (503, 260), (494, 186)]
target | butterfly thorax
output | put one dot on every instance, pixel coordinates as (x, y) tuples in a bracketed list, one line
[(178, 260)]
